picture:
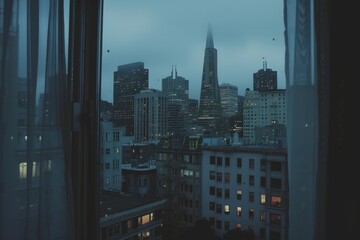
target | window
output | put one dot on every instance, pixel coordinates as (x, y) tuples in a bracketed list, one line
[(219, 176), (251, 180), (212, 191), (212, 175), (275, 166), (212, 160), (227, 161), (262, 216), (251, 213), (263, 181), (251, 163), (251, 197), (227, 177), (262, 165), (238, 194), (227, 193), (275, 218), (239, 162), (219, 192), (238, 211), (238, 179), (218, 208), (211, 206), (219, 161), (226, 209), (262, 198), (275, 183), (218, 224), (276, 201), (226, 225)]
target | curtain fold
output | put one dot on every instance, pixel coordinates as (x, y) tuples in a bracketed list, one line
[(34, 190)]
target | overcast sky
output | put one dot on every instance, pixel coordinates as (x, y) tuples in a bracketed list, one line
[(162, 33)]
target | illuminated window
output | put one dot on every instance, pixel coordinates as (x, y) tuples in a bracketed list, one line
[(238, 194), (22, 170), (262, 198), (276, 201), (238, 226), (226, 209), (238, 211)]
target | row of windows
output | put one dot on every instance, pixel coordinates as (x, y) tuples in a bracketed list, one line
[(274, 218), (275, 183), (274, 165), (275, 200), (107, 151)]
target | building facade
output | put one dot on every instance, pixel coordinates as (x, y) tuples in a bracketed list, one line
[(245, 188), (265, 79), (110, 156), (178, 165), (150, 115), (176, 89), (229, 99), (129, 79), (262, 109)]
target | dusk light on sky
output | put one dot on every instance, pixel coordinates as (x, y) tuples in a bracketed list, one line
[(163, 33)]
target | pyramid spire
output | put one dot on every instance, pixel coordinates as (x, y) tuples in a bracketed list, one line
[(209, 39)]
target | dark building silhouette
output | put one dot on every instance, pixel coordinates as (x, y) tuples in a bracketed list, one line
[(106, 111), (265, 79), (210, 107), (176, 89), (129, 80)]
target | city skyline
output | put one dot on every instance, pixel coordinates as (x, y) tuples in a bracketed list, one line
[(163, 34)]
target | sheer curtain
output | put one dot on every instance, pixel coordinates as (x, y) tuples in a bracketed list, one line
[(33, 83), (308, 101)]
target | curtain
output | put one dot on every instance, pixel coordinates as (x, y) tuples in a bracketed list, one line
[(34, 187), (307, 86)]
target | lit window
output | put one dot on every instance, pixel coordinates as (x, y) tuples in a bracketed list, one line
[(22, 170), (262, 198), (238, 211), (276, 201), (226, 209), (238, 194), (238, 226)]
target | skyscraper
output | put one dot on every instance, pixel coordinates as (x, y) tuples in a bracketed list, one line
[(176, 89), (210, 107), (129, 80), (265, 79), (229, 99)]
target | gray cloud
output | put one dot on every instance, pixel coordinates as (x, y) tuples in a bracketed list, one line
[(162, 33)]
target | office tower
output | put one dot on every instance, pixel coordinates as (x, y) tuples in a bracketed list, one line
[(129, 79), (265, 79), (245, 188), (193, 110), (176, 89), (150, 115), (229, 99), (210, 107), (262, 109)]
